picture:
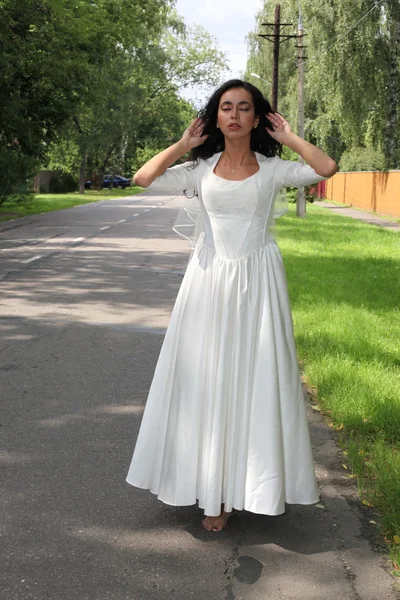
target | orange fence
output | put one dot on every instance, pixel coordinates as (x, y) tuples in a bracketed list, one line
[(371, 190)]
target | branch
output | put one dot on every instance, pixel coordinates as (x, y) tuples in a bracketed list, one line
[(75, 120), (154, 94)]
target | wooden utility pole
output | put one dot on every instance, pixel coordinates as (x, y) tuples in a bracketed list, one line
[(276, 38), (301, 198), (275, 74)]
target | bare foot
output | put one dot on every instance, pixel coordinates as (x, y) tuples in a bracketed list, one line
[(217, 523)]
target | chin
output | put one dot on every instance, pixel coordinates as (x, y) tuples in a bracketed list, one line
[(235, 134)]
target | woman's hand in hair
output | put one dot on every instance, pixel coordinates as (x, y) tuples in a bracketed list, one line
[(281, 128), (193, 136)]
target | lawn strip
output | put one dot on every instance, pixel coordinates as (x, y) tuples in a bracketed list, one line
[(41, 203), (344, 284)]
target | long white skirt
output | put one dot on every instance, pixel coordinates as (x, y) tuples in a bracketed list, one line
[(225, 418)]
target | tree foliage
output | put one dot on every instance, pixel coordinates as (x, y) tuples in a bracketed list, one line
[(79, 79), (351, 78)]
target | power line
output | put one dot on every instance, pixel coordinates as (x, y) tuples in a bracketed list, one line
[(376, 5)]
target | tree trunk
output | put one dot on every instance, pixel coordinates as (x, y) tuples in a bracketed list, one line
[(98, 175), (107, 157), (82, 174), (97, 180)]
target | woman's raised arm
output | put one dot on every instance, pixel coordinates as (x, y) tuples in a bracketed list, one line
[(322, 164), (157, 165)]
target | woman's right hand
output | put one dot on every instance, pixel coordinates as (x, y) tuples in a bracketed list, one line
[(192, 136)]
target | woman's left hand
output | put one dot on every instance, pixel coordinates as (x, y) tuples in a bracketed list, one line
[(281, 129)]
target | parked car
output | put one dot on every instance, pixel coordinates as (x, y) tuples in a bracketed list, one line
[(116, 181)]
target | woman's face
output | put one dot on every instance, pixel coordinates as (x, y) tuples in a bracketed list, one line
[(236, 116)]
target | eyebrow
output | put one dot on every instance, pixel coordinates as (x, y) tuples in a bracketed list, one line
[(241, 102)]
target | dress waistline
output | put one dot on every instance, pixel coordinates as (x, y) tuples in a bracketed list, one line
[(209, 248)]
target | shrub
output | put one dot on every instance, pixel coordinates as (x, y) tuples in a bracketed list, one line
[(291, 194), (362, 159), (63, 183), (15, 171)]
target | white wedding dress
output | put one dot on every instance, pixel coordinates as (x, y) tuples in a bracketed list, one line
[(225, 418)]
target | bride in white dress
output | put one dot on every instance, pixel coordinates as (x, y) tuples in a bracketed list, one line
[(225, 423)]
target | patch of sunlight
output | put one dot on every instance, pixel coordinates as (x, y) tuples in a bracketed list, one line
[(149, 539), (122, 409), (20, 337), (14, 458)]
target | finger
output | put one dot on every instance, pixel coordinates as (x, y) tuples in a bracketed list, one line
[(273, 120), (195, 123), (277, 119)]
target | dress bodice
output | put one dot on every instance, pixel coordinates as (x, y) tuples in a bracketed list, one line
[(233, 218), (238, 215)]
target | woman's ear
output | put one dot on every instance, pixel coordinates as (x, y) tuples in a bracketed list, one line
[(256, 122)]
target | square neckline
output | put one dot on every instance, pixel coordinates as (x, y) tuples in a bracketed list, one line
[(234, 180)]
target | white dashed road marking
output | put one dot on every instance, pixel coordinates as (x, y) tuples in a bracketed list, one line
[(104, 228), (78, 240), (122, 221), (32, 259), (136, 215)]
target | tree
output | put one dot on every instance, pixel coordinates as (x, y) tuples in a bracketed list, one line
[(391, 137), (136, 107), (52, 52), (351, 74)]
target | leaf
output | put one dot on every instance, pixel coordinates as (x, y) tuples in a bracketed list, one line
[(367, 503), (374, 523), (345, 466), (320, 506), (339, 427), (316, 407), (344, 452), (396, 539)]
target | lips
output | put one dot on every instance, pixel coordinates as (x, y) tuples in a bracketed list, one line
[(234, 126)]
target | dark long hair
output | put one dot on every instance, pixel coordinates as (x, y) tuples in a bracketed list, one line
[(260, 140)]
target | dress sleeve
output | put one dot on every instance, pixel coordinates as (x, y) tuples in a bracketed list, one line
[(175, 179), (296, 174)]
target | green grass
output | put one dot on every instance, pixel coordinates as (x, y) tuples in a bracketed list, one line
[(344, 285), (41, 203)]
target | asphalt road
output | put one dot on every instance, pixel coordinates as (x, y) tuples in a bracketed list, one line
[(86, 296)]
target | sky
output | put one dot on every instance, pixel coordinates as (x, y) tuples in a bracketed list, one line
[(229, 21)]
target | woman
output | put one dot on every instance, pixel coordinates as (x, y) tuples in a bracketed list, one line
[(225, 421)]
